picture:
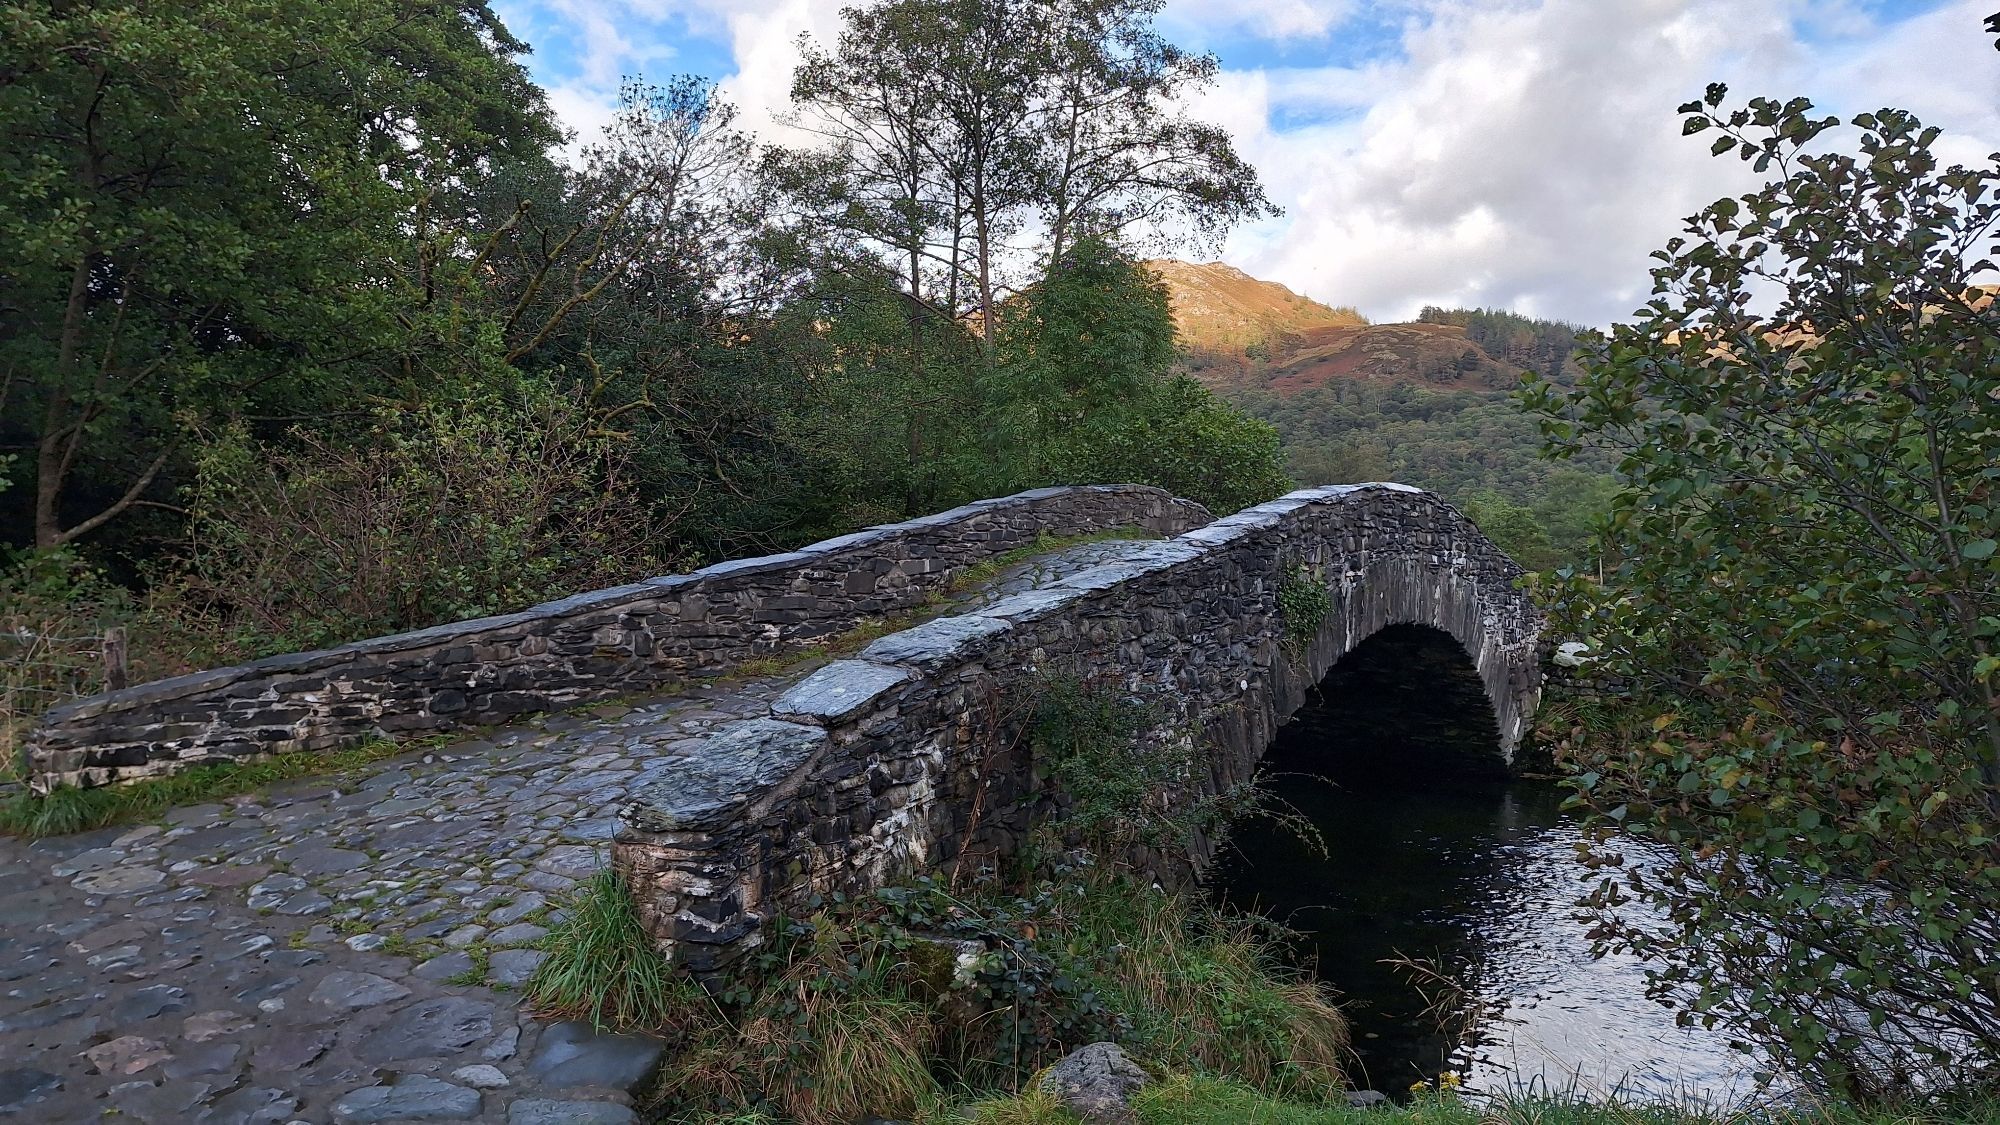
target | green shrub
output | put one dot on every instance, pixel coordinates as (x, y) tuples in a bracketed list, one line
[(1802, 608), (449, 511)]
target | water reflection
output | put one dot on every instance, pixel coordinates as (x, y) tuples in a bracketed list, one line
[(1431, 856)]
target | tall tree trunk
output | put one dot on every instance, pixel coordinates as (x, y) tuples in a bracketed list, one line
[(50, 456)]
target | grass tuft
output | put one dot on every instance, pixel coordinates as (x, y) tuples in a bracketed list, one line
[(68, 809), (1209, 992), (603, 968)]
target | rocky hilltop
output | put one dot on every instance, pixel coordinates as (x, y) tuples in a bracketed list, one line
[(1242, 332), (1219, 307)]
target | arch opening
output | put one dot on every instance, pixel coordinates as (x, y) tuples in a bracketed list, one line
[(1406, 702), (1395, 759)]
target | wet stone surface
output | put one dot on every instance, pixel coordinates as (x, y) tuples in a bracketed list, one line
[(335, 950)]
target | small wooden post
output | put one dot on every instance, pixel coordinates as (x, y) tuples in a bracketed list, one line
[(114, 658)]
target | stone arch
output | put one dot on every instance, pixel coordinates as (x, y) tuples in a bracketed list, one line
[(1406, 701), (1460, 601)]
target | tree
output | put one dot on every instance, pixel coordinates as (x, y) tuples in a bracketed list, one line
[(974, 141), (1805, 603), (201, 202), (1513, 527), (1118, 158), (1084, 392)]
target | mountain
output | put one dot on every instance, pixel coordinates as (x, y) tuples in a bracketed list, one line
[(1433, 355), (1239, 332), (1219, 308), (1424, 402)]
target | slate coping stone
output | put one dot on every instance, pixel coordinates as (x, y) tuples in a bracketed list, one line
[(838, 690), (720, 773), (1031, 604), (934, 643)]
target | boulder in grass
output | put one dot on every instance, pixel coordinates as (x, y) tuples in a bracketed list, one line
[(1096, 1082)]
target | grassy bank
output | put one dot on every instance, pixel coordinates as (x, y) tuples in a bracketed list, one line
[(938, 1008), (1193, 1100), (919, 999)]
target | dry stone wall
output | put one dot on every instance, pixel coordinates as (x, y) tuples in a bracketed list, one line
[(912, 755), (593, 646)]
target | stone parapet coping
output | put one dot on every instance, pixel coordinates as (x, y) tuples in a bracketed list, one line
[(593, 645)]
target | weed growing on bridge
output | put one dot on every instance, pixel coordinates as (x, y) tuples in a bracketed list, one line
[(68, 809), (1305, 601), (602, 967)]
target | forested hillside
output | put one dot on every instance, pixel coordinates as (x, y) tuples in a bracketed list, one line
[(1426, 403)]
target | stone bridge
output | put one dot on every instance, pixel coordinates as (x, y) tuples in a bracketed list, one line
[(912, 753), (907, 755)]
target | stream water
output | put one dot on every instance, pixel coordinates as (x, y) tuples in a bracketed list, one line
[(1432, 855)]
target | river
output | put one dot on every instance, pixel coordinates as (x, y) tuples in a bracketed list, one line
[(1431, 855)]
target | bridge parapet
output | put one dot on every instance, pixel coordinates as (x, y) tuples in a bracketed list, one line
[(592, 646), (913, 754)]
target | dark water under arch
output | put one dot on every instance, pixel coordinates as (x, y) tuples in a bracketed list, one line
[(1435, 853)]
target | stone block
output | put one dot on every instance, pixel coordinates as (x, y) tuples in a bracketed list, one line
[(839, 690), (724, 770)]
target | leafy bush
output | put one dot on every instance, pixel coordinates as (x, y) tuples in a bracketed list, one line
[(444, 512), (1806, 606)]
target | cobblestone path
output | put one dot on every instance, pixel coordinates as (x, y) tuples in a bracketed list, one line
[(347, 950), (334, 950)]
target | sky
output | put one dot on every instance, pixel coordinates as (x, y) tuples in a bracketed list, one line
[(1517, 154)]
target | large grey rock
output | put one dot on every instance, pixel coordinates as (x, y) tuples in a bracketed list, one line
[(572, 1054), (544, 1111), (1096, 1082), (412, 1097), (430, 1029)]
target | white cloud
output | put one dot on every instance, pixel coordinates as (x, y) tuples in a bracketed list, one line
[(1527, 156), (1274, 19)]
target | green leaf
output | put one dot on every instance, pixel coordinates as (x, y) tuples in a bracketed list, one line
[(1979, 549)]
